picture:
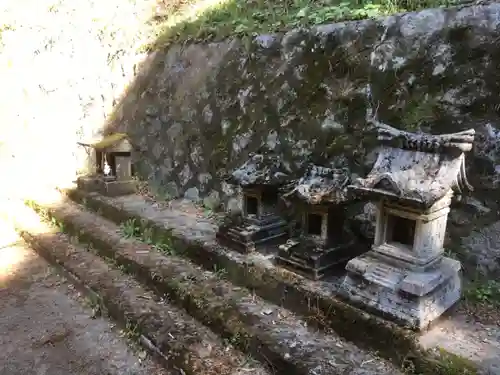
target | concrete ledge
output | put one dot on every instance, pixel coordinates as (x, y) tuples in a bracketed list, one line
[(112, 188), (117, 188), (167, 331), (267, 331), (313, 300)]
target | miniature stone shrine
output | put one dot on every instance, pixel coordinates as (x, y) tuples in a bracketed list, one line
[(112, 172), (405, 275), (260, 178), (321, 195)]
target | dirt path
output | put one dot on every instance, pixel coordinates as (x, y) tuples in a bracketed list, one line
[(45, 327)]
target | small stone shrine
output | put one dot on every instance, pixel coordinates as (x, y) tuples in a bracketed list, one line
[(405, 275), (112, 172), (259, 225), (321, 197)]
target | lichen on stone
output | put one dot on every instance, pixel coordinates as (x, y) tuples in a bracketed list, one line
[(419, 168), (265, 168), (320, 185)]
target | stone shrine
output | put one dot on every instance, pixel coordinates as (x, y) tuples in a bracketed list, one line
[(112, 172), (322, 243), (260, 178), (405, 275)]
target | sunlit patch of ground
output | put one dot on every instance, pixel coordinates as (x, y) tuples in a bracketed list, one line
[(46, 196), (12, 255), (63, 66)]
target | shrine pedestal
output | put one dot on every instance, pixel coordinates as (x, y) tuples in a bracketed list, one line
[(88, 184), (311, 260), (412, 297), (110, 188), (117, 188), (254, 233)]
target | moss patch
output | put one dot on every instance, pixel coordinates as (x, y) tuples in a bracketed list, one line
[(484, 292)]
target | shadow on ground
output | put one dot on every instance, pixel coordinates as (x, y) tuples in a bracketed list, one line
[(47, 325)]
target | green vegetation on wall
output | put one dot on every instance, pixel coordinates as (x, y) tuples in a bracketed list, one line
[(202, 20)]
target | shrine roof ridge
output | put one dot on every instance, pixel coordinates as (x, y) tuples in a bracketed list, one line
[(417, 168), (461, 141), (320, 185), (263, 168)]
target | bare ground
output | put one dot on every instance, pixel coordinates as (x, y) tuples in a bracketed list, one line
[(46, 328)]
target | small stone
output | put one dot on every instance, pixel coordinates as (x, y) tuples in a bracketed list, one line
[(266, 41), (192, 194)]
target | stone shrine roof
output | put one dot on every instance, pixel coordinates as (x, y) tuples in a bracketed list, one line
[(419, 168), (106, 141), (264, 168), (321, 185)]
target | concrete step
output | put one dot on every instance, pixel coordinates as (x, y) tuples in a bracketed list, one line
[(267, 331), (193, 236), (319, 302), (180, 341), (51, 325)]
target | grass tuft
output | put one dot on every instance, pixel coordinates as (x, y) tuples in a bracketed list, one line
[(132, 229), (484, 292), (207, 20)]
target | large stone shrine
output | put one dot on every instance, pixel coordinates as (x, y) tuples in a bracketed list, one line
[(322, 242), (260, 178), (405, 275)]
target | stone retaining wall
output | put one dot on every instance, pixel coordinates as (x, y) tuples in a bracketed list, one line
[(198, 110), (202, 108)]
